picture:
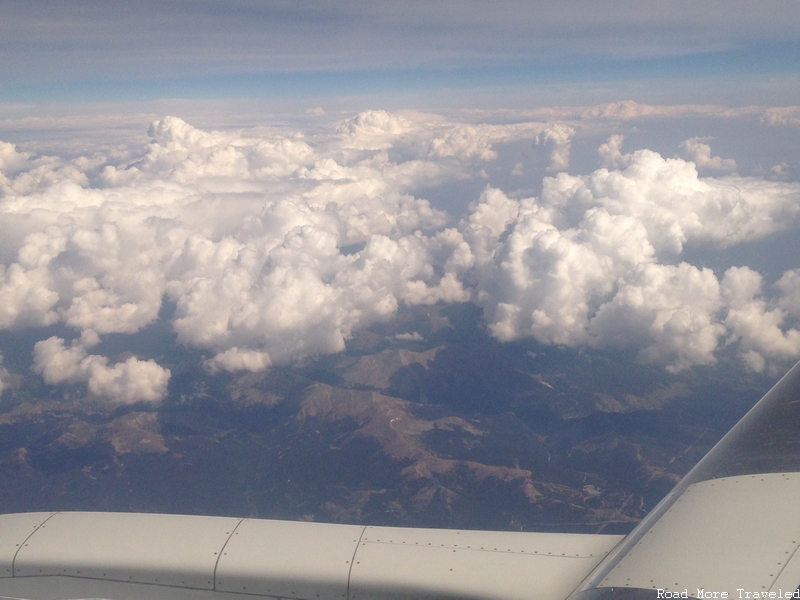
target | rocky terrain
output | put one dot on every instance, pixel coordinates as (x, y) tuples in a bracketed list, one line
[(424, 421)]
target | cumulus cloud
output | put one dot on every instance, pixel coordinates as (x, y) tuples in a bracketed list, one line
[(275, 245), (130, 381), (695, 150), (753, 323), (409, 337), (244, 234), (10, 159), (558, 137), (234, 359), (580, 264), (610, 152), (466, 141), (785, 115), (789, 285), (673, 202), (374, 130), (667, 313)]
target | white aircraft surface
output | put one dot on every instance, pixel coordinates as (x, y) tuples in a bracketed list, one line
[(730, 529)]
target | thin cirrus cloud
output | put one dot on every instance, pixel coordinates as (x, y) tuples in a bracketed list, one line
[(278, 244), (212, 47)]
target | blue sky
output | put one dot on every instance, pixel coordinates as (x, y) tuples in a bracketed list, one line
[(71, 51)]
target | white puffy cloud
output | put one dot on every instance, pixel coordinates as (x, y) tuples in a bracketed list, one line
[(789, 285), (667, 313), (610, 152), (276, 244), (753, 323), (130, 381), (785, 115), (26, 298), (559, 137), (465, 141), (409, 337), (580, 265), (542, 280), (234, 359), (10, 159), (244, 232), (669, 198), (374, 130), (695, 150)]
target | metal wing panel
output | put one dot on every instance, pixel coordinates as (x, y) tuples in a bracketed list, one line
[(170, 557), (394, 563), (718, 537), (145, 548), (733, 523), (16, 529), (289, 559), (789, 579)]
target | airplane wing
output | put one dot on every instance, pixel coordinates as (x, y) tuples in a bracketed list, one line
[(152, 556), (730, 529)]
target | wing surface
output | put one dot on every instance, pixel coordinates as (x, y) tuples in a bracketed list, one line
[(127, 556), (731, 527)]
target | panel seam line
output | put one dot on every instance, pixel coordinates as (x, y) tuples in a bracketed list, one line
[(22, 544), (221, 550), (353, 560)]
